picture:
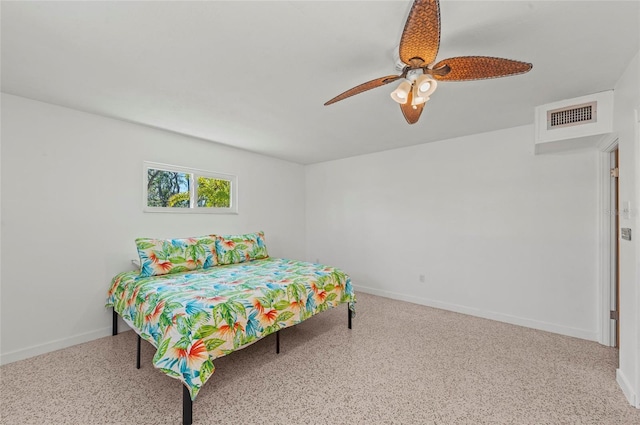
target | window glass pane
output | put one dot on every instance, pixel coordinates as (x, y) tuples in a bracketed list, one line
[(214, 193), (179, 189), (167, 188)]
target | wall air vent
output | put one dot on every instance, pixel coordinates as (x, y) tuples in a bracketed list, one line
[(571, 124), (572, 115)]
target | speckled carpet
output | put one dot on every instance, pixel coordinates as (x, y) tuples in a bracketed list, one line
[(400, 364)]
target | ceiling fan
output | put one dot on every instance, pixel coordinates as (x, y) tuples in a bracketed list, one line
[(420, 74)]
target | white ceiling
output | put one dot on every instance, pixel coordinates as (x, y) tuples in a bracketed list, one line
[(255, 75)]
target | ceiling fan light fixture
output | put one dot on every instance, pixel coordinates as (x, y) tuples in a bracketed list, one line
[(422, 89), (418, 100), (425, 86), (401, 94)]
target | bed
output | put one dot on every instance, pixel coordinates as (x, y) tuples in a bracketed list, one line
[(196, 315)]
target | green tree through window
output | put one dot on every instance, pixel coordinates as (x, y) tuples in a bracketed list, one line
[(214, 192), (163, 188)]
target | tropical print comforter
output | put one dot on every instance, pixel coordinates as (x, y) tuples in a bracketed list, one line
[(195, 317)]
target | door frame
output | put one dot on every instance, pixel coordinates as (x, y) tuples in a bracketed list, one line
[(606, 247), (636, 136)]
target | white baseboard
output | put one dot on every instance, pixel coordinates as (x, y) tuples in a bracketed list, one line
[(623, 382), (501, 317), (35, 350)]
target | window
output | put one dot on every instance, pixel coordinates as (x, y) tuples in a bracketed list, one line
[(171, 188)]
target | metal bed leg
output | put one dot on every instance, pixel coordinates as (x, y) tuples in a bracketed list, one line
[(349, 311), (115, 322), (138, 353), (187, 407), (277, 342)]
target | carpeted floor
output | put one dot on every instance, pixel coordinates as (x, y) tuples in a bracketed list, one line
[(400, 364)]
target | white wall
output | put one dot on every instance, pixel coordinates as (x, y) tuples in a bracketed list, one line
[(72, 207), (626, 101), (497, 231)]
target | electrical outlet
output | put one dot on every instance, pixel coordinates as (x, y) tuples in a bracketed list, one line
[(422, 278)]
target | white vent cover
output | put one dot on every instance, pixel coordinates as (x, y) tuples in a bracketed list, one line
[(572, 115), (573, 123)]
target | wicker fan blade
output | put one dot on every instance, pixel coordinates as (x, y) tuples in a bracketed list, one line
[(465, 68), (410, 114), (421, 35), (364, 87)]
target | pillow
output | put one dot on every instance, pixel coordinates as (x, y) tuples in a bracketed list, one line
[(233, 249), (165, 256)]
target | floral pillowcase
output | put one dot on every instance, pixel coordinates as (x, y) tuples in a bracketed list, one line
[(233, 249), (166, 256)]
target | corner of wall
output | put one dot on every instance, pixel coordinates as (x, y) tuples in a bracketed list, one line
[(627, 390)]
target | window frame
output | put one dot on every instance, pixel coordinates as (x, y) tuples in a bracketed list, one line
[(194, 173)]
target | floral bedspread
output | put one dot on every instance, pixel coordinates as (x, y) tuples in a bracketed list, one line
[(195, 317)]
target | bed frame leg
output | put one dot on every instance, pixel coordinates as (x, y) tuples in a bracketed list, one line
[(277, 342), (114, 324), (349, 312), (187, 407), (138, 353)]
